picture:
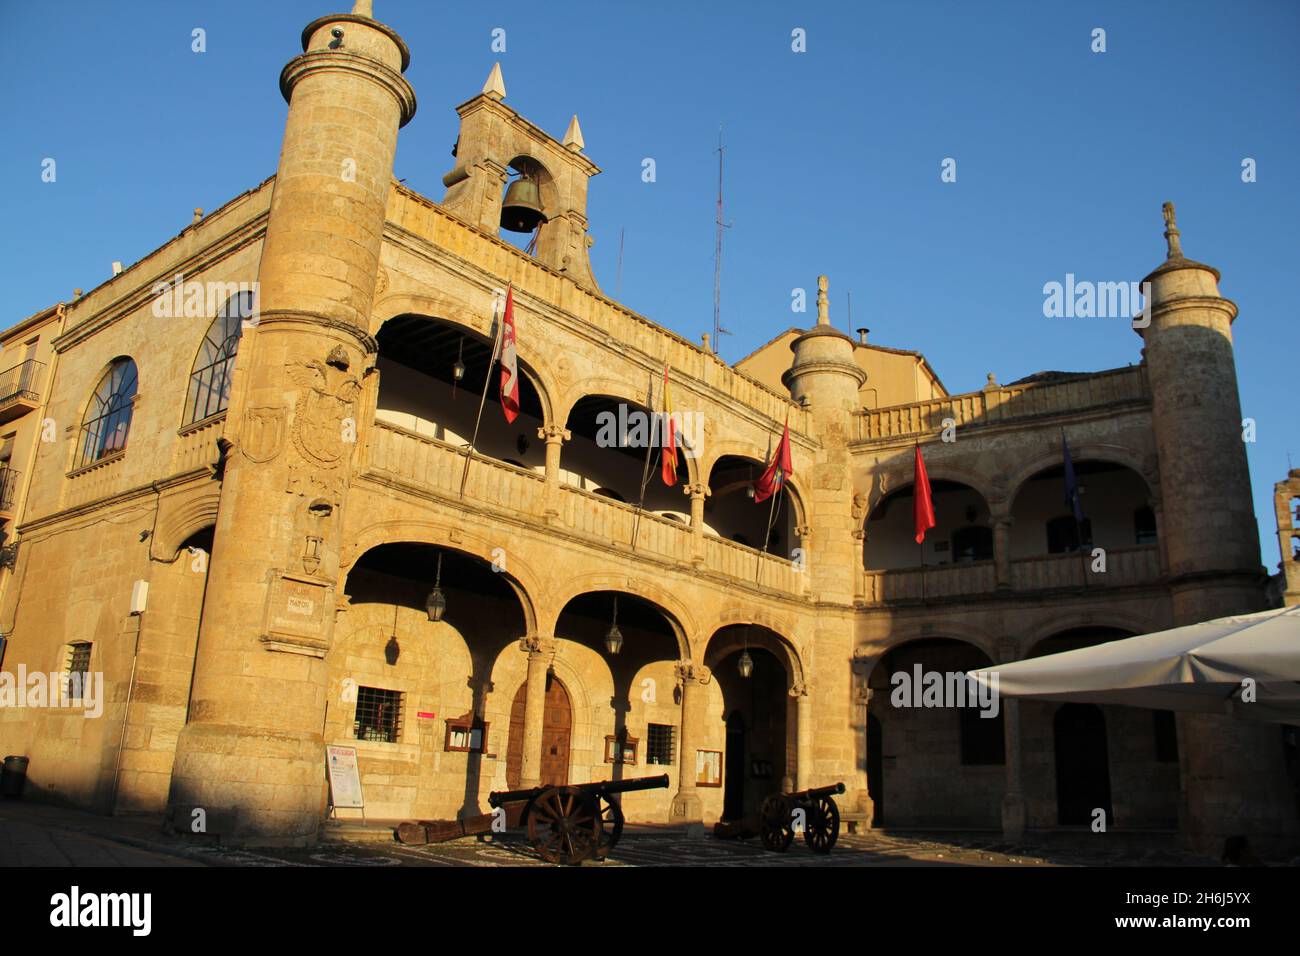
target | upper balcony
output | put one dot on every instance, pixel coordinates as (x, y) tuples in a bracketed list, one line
[(1005, 403), (20, 389)]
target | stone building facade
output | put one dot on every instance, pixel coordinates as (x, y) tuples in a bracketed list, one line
[(291, 484)]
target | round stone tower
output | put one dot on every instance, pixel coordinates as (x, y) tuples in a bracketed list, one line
[(250, 757), (825, 378), (1234, 774)]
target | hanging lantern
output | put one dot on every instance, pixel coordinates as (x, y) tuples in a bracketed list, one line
[(458, 370), (746, 664), (392, 651), (436, 602), (614, 637)]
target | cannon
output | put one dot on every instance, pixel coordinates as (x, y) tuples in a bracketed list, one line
[(821, 820), (569, 824)]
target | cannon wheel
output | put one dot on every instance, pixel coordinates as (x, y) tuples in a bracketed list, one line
[(611, 826), (822, 826), (777, 829), (564, 825)]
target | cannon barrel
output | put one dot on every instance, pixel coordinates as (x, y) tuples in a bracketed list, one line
[(819, 791), (626, 786), (498, 798)]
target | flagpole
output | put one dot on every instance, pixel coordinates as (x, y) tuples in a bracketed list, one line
[(645, 470), (1076, 506), (487, 382), (771, 516)]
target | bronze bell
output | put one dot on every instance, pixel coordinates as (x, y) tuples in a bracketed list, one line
[(522, 209)]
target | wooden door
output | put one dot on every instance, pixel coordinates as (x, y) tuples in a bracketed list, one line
[(557, 727)]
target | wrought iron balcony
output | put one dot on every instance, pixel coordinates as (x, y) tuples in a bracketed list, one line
[(20, 389)]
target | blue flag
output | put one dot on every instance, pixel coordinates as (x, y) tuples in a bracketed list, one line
[(1071, 482)]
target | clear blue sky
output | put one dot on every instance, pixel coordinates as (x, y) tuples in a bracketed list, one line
[(1063, 157)]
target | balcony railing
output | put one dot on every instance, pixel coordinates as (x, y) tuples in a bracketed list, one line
[(20, 389), (435, 465), (1124, 566), (1004, 403)]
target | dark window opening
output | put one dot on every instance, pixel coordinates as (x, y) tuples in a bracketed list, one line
[(78, 669), (1144, 525), (973, 543), (983, 739), (660, 739), (1166, 730), (1064, 533)]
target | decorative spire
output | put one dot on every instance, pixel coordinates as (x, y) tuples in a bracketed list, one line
[(1171, 232), (823, 302), (573, 136), (363, 8), (495, 86)]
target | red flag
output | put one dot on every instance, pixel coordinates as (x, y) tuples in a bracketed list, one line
[(922, 505), (777, 472), (509, 361), (668, 469)]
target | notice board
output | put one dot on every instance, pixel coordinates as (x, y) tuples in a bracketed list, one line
[(345, 778)]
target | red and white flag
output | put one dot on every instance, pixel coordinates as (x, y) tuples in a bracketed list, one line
[(781, 468), (668, 469), (509, 361)]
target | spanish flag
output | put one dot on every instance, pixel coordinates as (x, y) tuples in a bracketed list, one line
[(668, 470)]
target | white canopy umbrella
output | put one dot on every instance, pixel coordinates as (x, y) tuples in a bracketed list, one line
[(1199, 667)]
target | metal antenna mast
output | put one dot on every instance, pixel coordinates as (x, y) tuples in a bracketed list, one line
[(718, 330)]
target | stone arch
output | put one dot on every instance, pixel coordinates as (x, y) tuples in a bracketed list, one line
[(182, 516), (620, 391), (896, 477), (518, 575), (743, 449), (533, 364), (1115, 619), (1085, 451), (870, 655), (678, 616), (779, 627)]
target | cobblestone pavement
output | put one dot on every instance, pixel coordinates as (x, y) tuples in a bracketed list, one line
[(40, 835), (668, 848)]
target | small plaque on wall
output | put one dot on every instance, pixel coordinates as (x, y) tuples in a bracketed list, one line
[(295, 615)]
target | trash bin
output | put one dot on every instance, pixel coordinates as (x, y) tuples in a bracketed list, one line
[(13, 778)]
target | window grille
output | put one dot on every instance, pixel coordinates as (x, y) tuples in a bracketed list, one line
[(660, 740), (379, 715), (78, 668)]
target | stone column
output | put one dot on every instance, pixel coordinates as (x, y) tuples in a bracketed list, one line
[(697, 491), (555, 437), (539, 651), (1014, 810), (1002, 551), (692, 678), (804, 738)]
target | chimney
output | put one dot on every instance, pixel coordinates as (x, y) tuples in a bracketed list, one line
[(862, 335)]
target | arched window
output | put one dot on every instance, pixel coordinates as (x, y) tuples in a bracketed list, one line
[(209, 391), (108, 416)]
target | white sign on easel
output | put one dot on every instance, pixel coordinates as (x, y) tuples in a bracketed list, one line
[(345, 778)]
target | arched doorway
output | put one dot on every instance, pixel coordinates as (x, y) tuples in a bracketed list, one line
[(1082, 765), (557, 731), (733, 794), (875, 771)]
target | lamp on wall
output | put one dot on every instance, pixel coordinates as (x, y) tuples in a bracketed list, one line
[(614, 637), (436, 602)]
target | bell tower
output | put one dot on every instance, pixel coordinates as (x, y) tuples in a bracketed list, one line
[(250, 756), (549, 191), (1233, 769)]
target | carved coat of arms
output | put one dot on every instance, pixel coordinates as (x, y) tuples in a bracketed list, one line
[(324, 414), (262, 434)]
